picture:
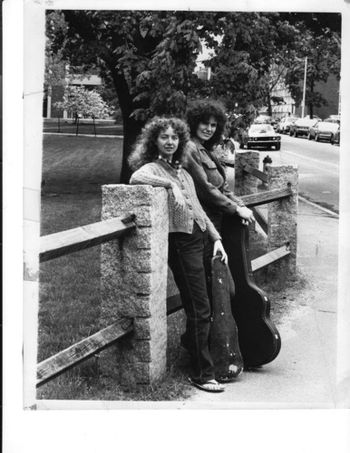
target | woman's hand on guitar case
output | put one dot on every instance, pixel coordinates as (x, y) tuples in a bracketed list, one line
[(219, 249)]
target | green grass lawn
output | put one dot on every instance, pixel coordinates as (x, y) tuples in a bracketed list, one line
[(102, 127), (74, 168)]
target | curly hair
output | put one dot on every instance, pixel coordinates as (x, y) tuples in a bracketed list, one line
[(200, 111), (146, 150)]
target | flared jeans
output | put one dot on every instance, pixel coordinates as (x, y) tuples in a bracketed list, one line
[(189, 260)]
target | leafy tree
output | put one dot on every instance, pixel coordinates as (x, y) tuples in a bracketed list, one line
[(319, 40), (322, 59), (150, 57), (55, 64), (251, 46), (259, 50)]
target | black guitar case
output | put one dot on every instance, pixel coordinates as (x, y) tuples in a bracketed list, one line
[(259, 340), (224, 346)]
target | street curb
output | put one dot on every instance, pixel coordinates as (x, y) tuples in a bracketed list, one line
[(83, 135), (315, 205)]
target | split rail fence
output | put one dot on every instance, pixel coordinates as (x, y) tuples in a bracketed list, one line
[(283, 200)]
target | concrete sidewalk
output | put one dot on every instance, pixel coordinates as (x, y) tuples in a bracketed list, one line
[(303, 374)]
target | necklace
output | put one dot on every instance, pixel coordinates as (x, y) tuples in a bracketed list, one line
[(170, 162), (175, 165)]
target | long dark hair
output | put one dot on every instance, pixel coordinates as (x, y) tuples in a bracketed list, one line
[(146, 149), (200, 111)]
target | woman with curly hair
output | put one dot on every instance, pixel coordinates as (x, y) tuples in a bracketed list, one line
[(157, 159), (207, 119)]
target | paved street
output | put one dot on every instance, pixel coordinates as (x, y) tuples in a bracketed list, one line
[(318, 165), (303, 374)]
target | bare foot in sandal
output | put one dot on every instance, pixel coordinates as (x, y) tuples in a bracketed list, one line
[(209, 386)]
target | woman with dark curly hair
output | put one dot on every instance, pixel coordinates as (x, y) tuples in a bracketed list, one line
[(207, 119), (157, 159)]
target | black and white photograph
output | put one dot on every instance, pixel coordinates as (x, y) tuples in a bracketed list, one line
[(185, 212)]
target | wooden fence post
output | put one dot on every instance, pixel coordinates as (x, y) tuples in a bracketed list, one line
[(134, 283), (282, 217), (244, 182)]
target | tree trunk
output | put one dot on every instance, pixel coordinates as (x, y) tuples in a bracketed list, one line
[(132, 129), (310, 104), (311, 110), (269, 106)]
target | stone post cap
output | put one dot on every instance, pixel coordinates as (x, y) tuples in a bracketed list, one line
[(144, 194)]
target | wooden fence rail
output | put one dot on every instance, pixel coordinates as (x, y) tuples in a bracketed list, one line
[(269, 258), (259, 217), (268, 196), (69, 241), (84, 349), (257, 173), (271, 179), (174, 303), (66, 242)]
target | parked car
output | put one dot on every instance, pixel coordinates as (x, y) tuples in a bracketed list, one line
[(284, 125), (333, 119), (262, 119), (302, 126), (323, 130), (336, 137), (261, 135)]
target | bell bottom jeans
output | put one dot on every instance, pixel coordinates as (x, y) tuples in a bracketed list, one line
[(189, 260)]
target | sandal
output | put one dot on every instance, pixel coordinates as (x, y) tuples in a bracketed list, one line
[(229, 377), (209, 386), (226, 379)]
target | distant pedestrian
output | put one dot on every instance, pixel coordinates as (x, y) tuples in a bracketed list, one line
[(157, 159)]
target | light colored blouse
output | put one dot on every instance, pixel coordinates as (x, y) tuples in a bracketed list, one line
[(181, 219)]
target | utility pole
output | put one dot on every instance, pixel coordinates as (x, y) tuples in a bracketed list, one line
[(304, 90)]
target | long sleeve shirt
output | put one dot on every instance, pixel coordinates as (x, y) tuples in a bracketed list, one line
[(210, 181), (181, 219)]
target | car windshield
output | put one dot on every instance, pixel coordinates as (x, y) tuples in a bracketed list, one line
[(260, 128), (332, 120), (262, 119)]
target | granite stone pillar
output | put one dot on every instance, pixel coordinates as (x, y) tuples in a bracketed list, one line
[(134, 283), (246, 183), (282, 216)]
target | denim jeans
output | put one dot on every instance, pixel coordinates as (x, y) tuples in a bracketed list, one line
[(190, 264)]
